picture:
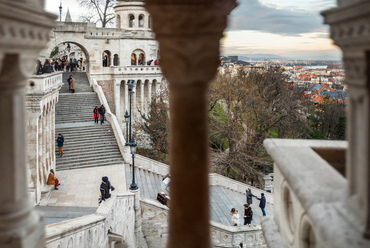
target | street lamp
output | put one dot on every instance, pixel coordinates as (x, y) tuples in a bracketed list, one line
[(127, 119), (133, 146), (131, 89)]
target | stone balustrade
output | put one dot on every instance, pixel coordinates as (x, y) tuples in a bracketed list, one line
[(112, 223), (112, 119), (310, 207), (136, 69), (45, 83), (214, 178), (155, 229)]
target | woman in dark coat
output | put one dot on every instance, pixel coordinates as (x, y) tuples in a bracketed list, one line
[(248, 215), (249, 196)]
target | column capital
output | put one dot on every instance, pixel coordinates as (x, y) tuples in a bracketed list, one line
[(189, 43)]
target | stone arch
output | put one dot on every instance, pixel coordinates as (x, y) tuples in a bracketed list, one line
[(118, 21), (133, 59), (138, 98), (138, 57), (106, 57), (147, 96), (131, 21), (149, 22), (78, 41), (141, 21), (116, 60), (154, 88)]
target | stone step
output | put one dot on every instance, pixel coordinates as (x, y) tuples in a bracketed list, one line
[(62, 161), (88, 152), (83, 149), (103, 163)]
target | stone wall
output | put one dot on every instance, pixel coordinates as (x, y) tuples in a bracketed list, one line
[(113, 222), (108, 89), (155, 229)]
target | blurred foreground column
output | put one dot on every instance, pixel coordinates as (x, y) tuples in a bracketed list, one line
[(24, 31), (188, 32)]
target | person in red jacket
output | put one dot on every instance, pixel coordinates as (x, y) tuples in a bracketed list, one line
[(96, 114)]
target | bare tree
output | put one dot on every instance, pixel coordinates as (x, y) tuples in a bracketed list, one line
[(101, 11)]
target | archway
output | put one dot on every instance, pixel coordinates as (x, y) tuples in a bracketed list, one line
[(131, 21), (65, 50), (106, 58)]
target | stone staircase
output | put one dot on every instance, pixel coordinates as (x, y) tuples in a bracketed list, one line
[(221, 199), (86, 144)]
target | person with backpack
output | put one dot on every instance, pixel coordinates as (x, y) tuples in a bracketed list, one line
[(248, 215)]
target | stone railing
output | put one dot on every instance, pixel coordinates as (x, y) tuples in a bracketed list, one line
[(152, 165), (112, 119), (311, 208), (113, 222), (139, 69), (45, 83), (214, 178), (155, 229)]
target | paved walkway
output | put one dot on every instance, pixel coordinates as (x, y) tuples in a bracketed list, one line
[(80, 187)]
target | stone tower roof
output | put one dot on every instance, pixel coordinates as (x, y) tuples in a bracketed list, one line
[(68, 17)]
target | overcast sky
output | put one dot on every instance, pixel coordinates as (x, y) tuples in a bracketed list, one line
[(289, 28)]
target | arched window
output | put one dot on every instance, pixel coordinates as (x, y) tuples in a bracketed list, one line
[(141, 21), (141, 60), (118, 21), (106, 58), (133, 59), (131, 21), (116, 60), (138, 57), (149, 22)]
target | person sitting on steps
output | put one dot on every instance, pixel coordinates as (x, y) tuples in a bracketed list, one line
[(52, 180), (105, 188)]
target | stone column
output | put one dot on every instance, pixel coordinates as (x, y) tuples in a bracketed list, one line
[(44, 145), (149, 93), (40, 152), (134, 111), (185, 31), (117, 99), (53, 140), (20, 227), (127, 100), (349, 29), (142, 96), (32, 117)]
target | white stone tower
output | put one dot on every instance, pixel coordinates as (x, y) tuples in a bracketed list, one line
[(131, 15)]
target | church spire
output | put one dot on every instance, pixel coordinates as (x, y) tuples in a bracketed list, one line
[(68, 17)]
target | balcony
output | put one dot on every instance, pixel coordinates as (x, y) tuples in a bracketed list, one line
[(311, 204), (139, 69), (45, 83)]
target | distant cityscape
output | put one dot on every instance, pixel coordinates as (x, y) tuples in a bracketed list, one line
[(319, 79)]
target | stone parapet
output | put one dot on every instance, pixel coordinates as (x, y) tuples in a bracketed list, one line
[(311, 196), (44, 84), (136, 69), (113, 223), (155, 229)]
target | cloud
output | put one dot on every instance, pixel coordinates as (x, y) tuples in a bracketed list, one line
[(253, 15)]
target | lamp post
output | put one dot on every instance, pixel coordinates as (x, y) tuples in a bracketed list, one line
[(127, 119), (60, 11), (133, 146), (131, 89)]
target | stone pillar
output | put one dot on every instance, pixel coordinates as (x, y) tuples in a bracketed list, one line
[(20, 227), (142, 96), (184, 31), (127, 99), (149, 94), (32, 117), (40, 151), (117, 99), (349, 30), (139, 237), (53, 140), (134, 111), (44, 145)]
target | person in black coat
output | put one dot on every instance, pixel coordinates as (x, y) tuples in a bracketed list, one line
[(48, 68), (248, 215), (102, 113), (262, 203), (249, 196), (105, 188)]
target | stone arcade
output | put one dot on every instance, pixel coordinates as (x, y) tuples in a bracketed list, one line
[(325, 209)]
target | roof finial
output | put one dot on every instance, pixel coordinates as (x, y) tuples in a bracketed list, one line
[(68, 17)]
